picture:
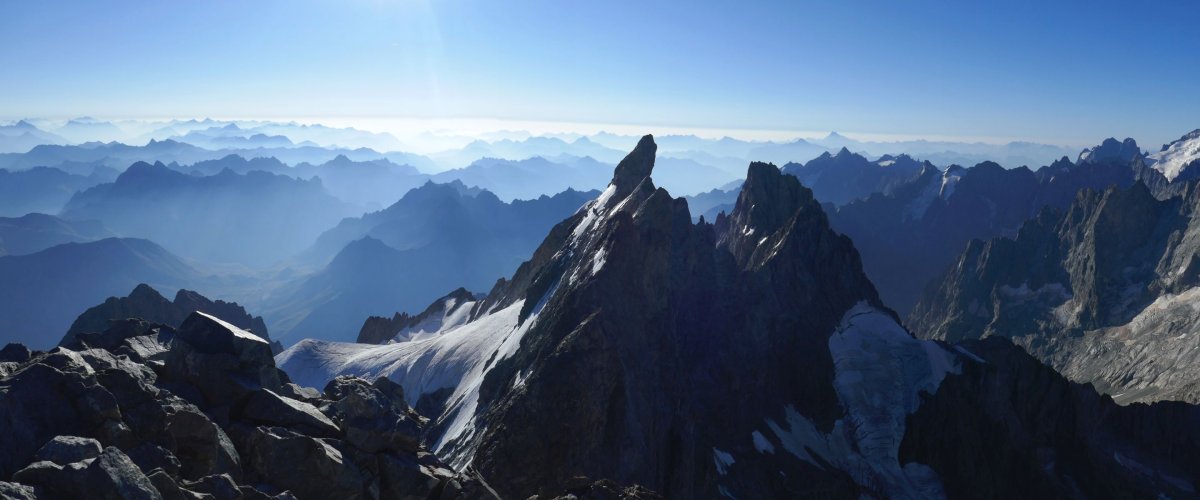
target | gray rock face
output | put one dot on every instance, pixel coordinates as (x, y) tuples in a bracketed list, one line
[(112, 476), (1104, 292), (636, 166), (267, 408), (374, 416), (327, 471), (194, 413), (17, 491), (63, 450), (221, 360)]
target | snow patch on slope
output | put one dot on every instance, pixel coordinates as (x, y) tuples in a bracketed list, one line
[(918, 207), (949, 182), (880, 370), (1177, 155), (457, 358), (452, 315)]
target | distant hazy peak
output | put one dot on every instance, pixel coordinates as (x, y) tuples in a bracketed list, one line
[(1111, 150)]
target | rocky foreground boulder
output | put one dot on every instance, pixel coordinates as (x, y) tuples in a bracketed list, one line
[(143, 410)]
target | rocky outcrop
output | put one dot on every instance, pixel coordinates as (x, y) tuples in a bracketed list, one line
[(1101, 291), (149, 411), (146, 303)]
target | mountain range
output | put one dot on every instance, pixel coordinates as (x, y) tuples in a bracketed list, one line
[(515, 317), (910, 234), (252, 219), (623, 349)]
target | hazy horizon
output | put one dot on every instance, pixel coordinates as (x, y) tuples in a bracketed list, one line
[(1070, 73)]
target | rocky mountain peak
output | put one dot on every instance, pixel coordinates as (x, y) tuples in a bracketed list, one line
[(1111, 150), (769, 199), (636, 166)]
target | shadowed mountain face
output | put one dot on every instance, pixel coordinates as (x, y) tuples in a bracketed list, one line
[(912, 234), (436, 238), (41, 292), (624, 347), (254, 219), (1103, 291), (35, 232)]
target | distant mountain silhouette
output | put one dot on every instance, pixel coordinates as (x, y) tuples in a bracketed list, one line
[(253, 219), (40, 293), (437, 238), (119, 156), (798, 150), (40, 189), (367, 183), (843, 177), (371, 182), (36, 232), (529, 178), (23, 136), (546, 147), (944, 153), (232, 136), (90, 129)]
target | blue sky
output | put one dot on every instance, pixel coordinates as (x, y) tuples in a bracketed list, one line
[(1059, 71)]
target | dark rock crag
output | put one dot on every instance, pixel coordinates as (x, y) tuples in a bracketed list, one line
[(150, 411)]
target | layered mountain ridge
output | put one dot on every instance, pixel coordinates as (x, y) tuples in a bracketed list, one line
[(1102, 291), (625, 347), (910, 235)]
